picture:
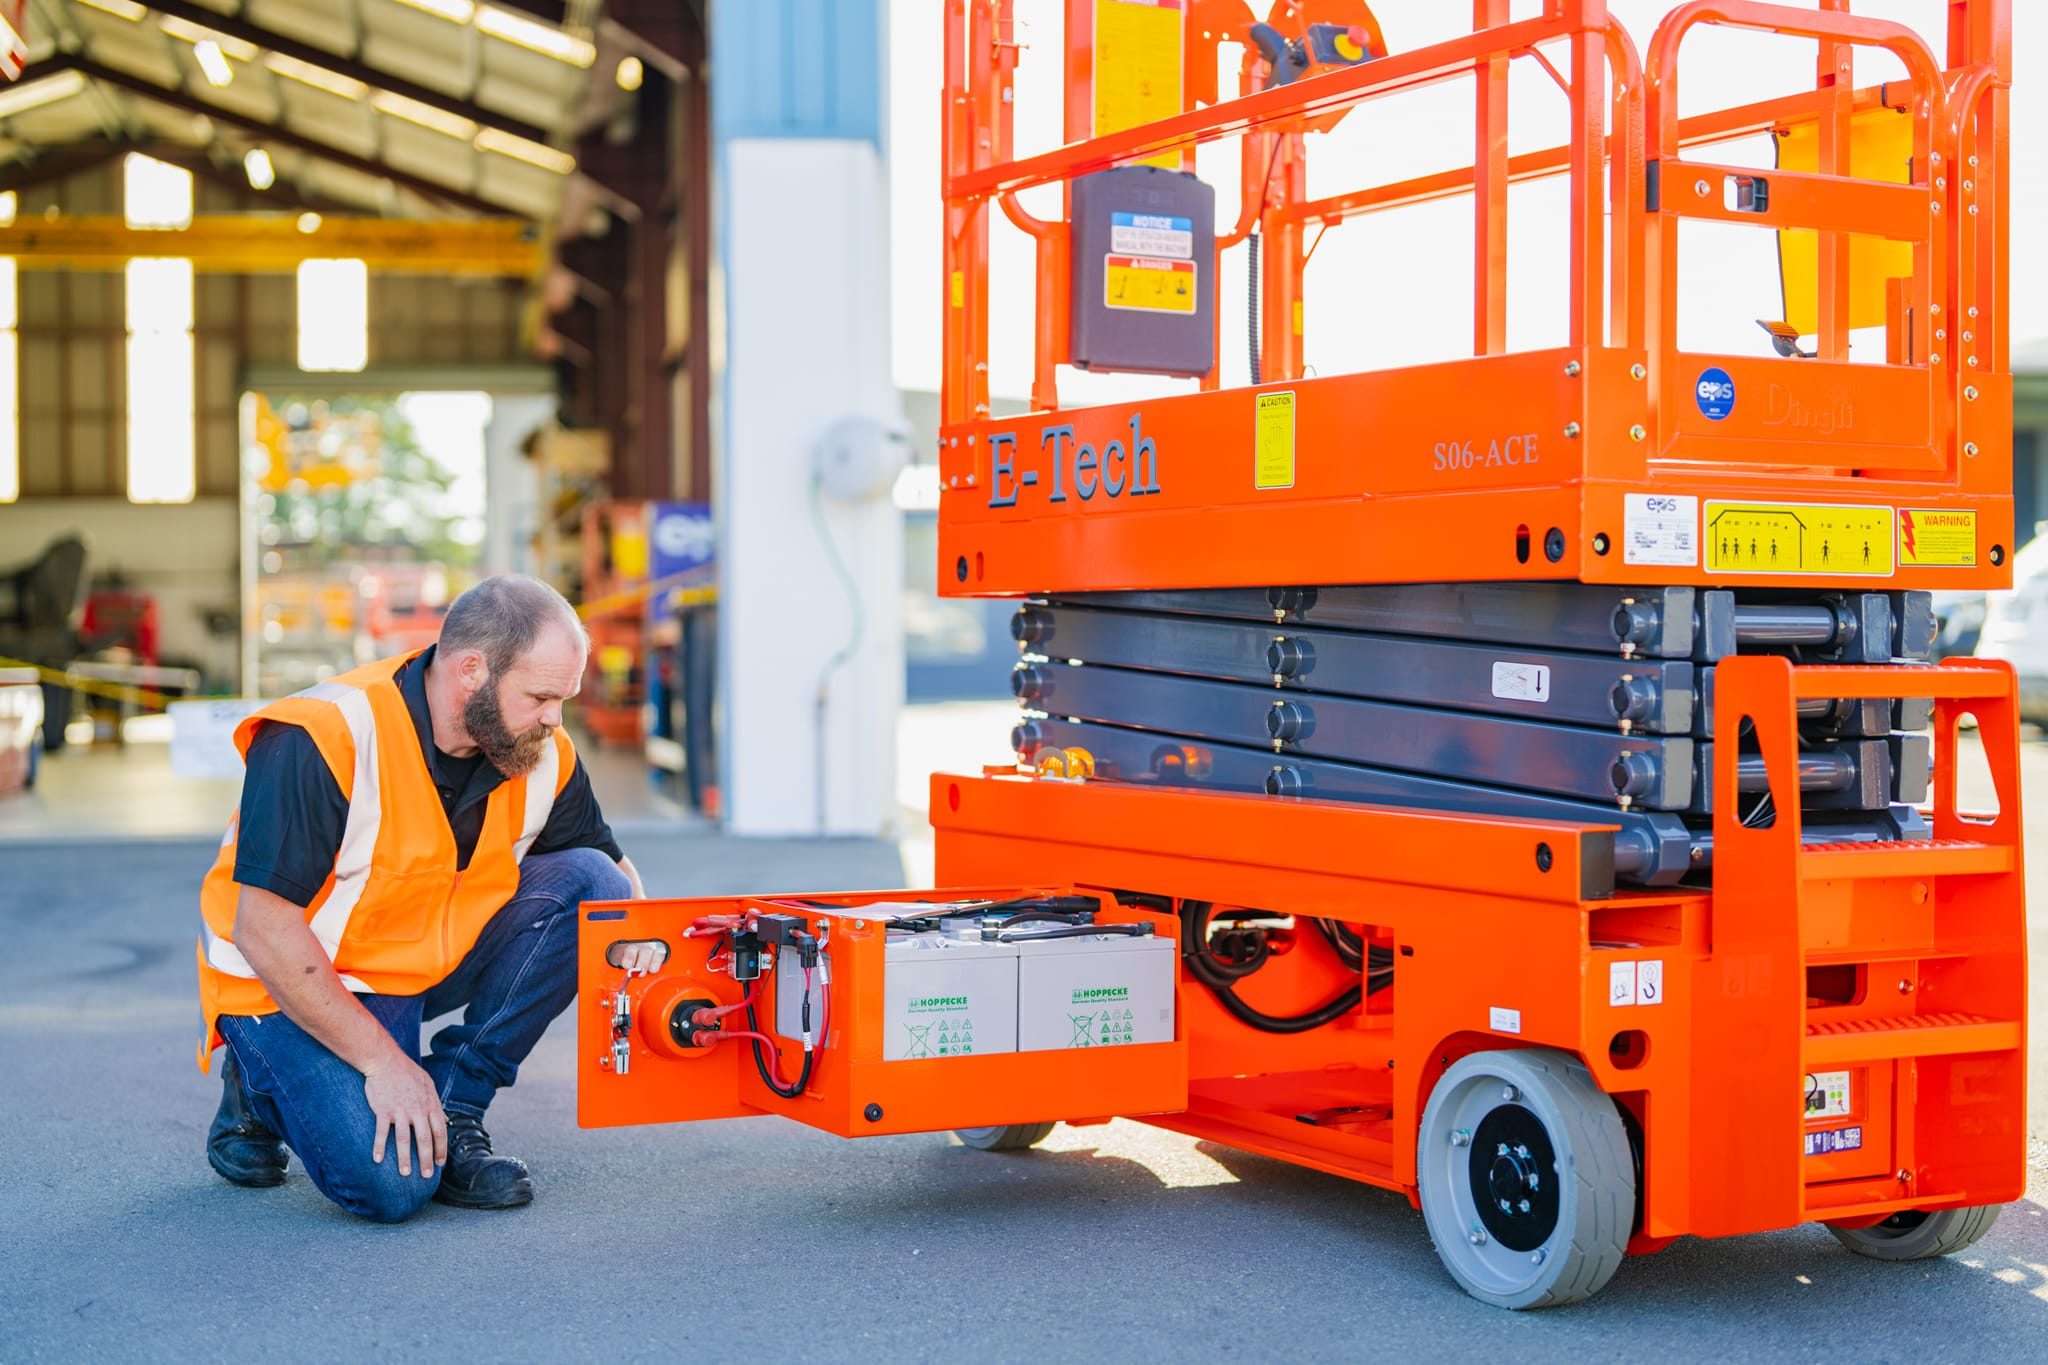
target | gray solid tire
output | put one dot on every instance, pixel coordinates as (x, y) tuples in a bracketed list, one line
[(1595, 1189), (1938, 1232), (1012, 1137)]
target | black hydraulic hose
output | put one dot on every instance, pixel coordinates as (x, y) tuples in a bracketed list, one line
[(1251, 247), (1351, 950), (1204, 967)]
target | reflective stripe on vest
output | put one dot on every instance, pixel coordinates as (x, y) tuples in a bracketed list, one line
[(540, 798)]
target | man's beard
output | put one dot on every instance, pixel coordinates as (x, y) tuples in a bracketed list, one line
[(512, 755)]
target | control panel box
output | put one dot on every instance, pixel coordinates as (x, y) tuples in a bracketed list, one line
[(1144, 248)]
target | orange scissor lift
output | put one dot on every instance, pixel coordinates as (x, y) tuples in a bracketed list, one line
[(1560, 1059)]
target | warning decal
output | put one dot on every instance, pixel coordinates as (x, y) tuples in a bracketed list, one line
[(1801, 538), (1932, 537), (1148, 285), (1660, 529), (1152, 234), (1273, 457), (1138, 67)]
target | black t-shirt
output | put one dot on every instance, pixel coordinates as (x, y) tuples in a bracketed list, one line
[(293, 812)]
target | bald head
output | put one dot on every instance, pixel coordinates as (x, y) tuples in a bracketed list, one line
[(503, 617)]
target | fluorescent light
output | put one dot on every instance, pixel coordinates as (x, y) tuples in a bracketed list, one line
[(533, 153), (334, 315), (155, 194), (309, 223), (319, 77), (211, 62), (456, 11), (425, 115), (187, 31), (38, 92), (120, 9), (630, 73), (545, 39), (262, 175), (8, 204)]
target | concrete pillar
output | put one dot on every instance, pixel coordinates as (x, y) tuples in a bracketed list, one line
[(810, 628), (511, 493)]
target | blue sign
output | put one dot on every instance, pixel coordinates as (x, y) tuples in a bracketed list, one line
[(682, 543), (1715, 393)]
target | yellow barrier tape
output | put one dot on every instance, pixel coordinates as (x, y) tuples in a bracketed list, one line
[(140, 696)]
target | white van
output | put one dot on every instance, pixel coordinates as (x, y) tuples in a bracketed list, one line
[(2016, 628)]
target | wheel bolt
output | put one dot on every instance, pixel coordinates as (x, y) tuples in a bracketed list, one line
[(1478, 1237), (1461, 1137), (1523, 1206), (1510, 1094), (1536, 1256)]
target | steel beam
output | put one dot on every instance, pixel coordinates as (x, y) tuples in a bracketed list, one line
[(275, 245), (371, 76)]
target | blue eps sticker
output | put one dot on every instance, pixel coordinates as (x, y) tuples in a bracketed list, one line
[(1831, 1140), (1715, 393)]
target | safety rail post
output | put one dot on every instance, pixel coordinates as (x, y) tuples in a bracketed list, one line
[(1490, 189), (1586, 22)]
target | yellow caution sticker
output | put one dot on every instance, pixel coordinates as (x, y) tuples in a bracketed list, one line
[(1273, 460), (959, 289), (1798, 538), (1138, 67), (1937, 537), (1148, 285)]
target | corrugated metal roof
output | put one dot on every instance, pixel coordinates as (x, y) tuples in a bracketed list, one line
[(377, 104)]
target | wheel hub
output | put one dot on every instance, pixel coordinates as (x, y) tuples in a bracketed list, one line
[(1514, 1178)]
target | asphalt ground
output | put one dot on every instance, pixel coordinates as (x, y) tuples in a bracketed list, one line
[(758, 1237)]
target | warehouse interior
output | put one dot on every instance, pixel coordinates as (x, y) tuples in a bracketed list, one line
[(315, 311)]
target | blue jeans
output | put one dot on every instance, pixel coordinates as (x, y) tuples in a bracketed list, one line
[(518, 977)]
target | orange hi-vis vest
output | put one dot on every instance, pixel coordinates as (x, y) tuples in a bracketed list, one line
[(395, 916)]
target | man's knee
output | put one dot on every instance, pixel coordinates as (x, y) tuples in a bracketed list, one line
[(380, 1194), (588, 874)]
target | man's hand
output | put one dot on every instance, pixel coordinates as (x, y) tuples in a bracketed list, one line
[(407, 1109), (640, 957)]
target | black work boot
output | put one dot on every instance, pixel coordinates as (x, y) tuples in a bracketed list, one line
[(475, 1179), (239, 1146)]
